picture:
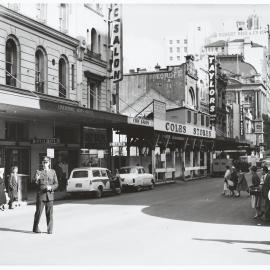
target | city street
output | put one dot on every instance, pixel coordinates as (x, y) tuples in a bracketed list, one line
[(186, 223)]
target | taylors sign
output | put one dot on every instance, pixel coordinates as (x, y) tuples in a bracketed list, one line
[(187, 129), (212, 87), (117, 58)]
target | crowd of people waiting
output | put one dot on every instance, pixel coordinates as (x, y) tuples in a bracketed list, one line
[(259, 191)]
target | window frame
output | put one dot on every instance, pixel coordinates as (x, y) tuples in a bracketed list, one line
[(66, 73)]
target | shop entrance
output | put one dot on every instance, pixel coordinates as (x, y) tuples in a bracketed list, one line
[(17, 157)]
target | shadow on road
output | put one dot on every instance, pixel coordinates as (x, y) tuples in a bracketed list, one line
[(196, 201), (253, 250), (14, 230)]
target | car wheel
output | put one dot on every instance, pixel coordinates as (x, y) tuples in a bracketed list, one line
[(139, 188), (152, 185), (99, 193)]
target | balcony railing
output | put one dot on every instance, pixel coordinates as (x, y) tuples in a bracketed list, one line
[(94, 55)]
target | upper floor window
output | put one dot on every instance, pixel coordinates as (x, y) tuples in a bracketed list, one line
[(171, 49), (99, 44), (16, 131), (202, 120), (41, 70), (42, 12), (171, 42), (64, 18), (12, 61), (185, 49), (63, 77), (189, 116), (178, 49), (195, 118), (207, 121), (93, 40), (191, 97), (178, 41), (185, 41), (93, 91)]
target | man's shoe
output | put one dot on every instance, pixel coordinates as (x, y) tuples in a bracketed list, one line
[(36, 231), (49, 232)]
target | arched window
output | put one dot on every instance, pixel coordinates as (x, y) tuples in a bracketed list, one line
[(191, 97), (93, 40), (63, 73), (12, 61), (41, 70)]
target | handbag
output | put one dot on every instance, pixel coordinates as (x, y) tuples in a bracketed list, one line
[(254, 190), (230, 183)]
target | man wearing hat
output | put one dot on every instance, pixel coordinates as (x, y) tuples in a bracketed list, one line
[(47, 183)]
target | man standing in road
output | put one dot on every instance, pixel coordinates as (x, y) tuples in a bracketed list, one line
[(47, 183)]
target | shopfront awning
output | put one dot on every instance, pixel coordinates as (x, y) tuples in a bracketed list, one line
[(18, 103)]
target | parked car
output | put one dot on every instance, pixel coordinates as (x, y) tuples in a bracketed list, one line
[(136, 177), (92, 180)]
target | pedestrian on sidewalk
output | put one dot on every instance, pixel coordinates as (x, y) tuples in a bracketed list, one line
[(242, 182), (227, 176), (233, 183), (13, 186), (256, 194), (47, 183), (266, 194), (2, 190)]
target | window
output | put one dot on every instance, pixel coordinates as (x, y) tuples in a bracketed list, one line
[(191, 97), (63, 77), (171, 49), (185, 41), (72, 77), (143, 170), (178, 41), (12, 61), (171, 42), (171, 58), (16, 131), (185, 49), (109, 174), (139, 171), (80, 174), (207, 121), (41, 70), (189, 116), (178, 58), (178, 49), (64, 18), (42, 13), (96, 173), (99, 47), (202, 120), (195, 118), (93, 89), (93, 40), (103, 173)]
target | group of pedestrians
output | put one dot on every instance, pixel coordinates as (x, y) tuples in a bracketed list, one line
[(260, 193), (234, 182), (9, 191)]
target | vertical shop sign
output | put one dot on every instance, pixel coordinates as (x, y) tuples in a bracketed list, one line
[(212, 87), (116, 43), (241, 120)]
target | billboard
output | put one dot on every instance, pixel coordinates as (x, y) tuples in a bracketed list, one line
[(212, 87), (117, 43)]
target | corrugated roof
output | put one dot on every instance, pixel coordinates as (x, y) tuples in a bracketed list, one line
[(237, 40), (219, 43), (256, 45)]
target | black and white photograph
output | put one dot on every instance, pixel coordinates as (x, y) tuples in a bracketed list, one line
[(134, 134)]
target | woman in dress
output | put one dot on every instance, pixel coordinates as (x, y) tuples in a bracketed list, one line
[(13, 186), (242, 182), (257, 197), (2, 190)]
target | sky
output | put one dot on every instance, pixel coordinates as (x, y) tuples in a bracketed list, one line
[(146, 25)]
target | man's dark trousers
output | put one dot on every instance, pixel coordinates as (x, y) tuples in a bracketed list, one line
[(49, 214)]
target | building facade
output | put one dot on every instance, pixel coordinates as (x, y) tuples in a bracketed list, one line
[(54, 98)]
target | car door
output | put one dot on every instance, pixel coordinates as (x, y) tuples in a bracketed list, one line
[(145, 177), (105, 179), (140, 177)]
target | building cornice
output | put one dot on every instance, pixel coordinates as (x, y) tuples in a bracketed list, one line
[(37, 26), (97, 62)]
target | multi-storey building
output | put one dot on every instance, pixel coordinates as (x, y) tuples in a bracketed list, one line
[(54, 94)]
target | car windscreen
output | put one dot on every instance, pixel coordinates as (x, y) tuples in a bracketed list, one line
[(80, 174), (96, 173), (127, 170)]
